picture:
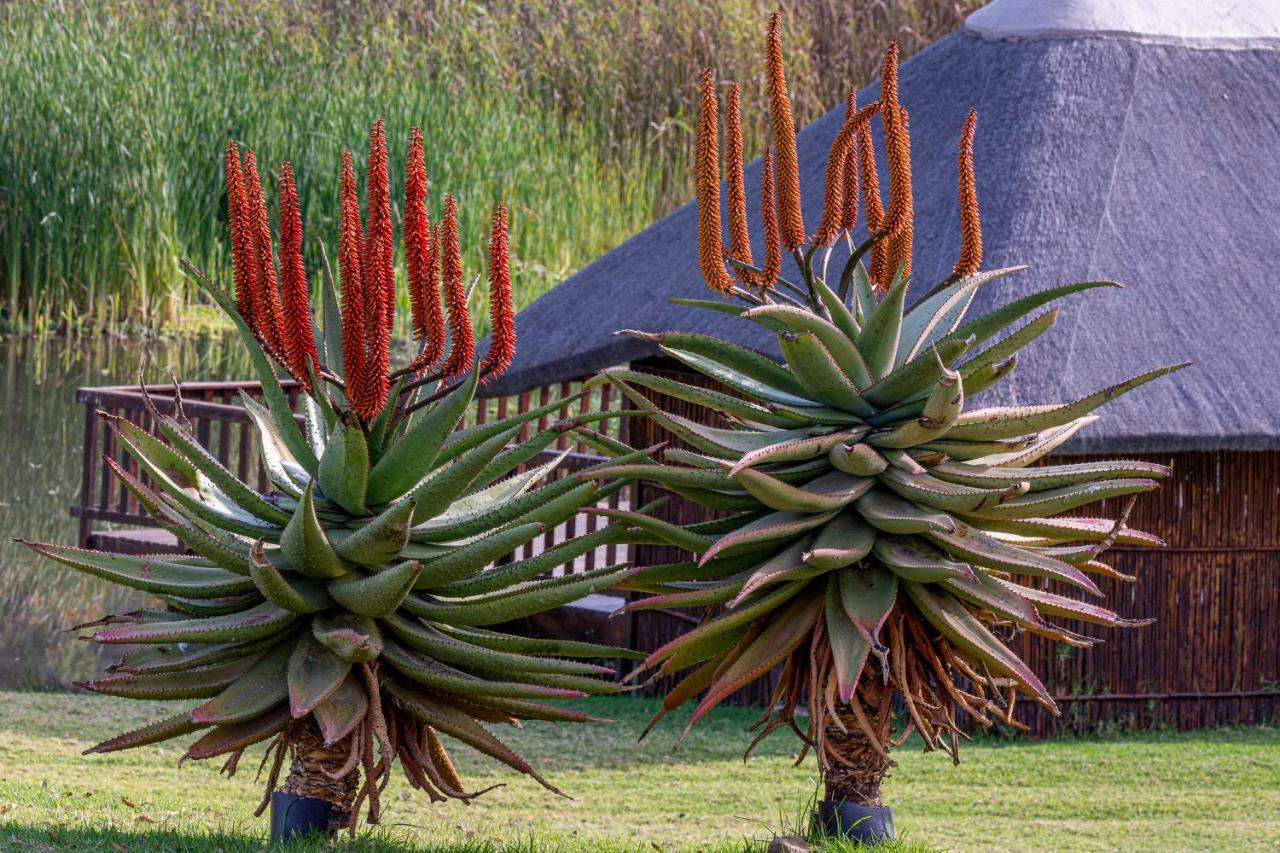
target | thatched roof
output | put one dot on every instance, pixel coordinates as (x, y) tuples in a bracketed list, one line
[(1149, 158)]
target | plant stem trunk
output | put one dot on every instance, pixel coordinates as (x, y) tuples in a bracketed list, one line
[(307, 777), (858, 781)]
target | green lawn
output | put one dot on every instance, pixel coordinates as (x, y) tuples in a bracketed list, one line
[(1216, 790)]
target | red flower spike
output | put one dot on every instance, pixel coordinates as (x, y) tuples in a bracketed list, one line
[(462, 341), (378, 275), (242, 264), (462, 347), (299, 342), (417, 233), (502, 342), (267, 310), (420, 259), (970, 221), (350, 240), (432, 338)]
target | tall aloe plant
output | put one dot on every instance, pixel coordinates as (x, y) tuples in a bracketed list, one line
[(347, 614), (879, 536)]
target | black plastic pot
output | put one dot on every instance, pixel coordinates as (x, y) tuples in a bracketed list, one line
[(294, 817), (843, 819)]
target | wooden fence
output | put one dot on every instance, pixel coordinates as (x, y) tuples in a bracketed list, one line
[(110, 518)]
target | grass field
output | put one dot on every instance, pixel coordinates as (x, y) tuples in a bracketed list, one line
[(1217, 790)]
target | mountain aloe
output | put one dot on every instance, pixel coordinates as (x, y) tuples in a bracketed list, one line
[(347, 614), (878, 535)]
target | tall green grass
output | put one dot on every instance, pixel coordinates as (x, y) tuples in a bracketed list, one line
[(113, 143), (114, 113)]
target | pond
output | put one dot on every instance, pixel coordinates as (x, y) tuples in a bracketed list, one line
[(41, 442)]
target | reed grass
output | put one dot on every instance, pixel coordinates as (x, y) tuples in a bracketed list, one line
[(114, 115)]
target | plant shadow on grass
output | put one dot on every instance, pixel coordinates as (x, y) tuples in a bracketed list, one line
[(381, 840), (377, 841), (723, 736)]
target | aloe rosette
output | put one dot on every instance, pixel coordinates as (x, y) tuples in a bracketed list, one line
[(348, 613), (878, 534)]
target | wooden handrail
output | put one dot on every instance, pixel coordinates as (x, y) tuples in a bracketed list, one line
[(102, 498)]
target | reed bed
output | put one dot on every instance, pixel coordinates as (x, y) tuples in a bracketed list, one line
[(115, 113)]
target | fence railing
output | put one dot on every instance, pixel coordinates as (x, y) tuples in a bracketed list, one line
[(109, 515)]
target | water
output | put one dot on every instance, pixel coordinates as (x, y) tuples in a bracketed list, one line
[(41, 446)]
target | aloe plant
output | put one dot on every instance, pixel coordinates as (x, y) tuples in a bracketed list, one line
[(878, 535), (348, 613)]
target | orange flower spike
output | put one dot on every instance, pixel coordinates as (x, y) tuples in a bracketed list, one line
[(849, 192), (903, 229), (897, 146), (706, 179), (268, 310), (769, 220), (502, 341), (849, 197), (462, 348), (739, 238), (242, 263), (379, 272), (872, 204), (783, 128), (970, 222), (833, 185), (299, 342), (350, 240)]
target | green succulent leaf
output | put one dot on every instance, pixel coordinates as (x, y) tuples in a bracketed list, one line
[(408, 460), (375, 595), (257, 691), (907, 491), (314, 674), (297, 595), (352, 637), (380, 539), (304, 543), (343, 472), (148, 573)]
